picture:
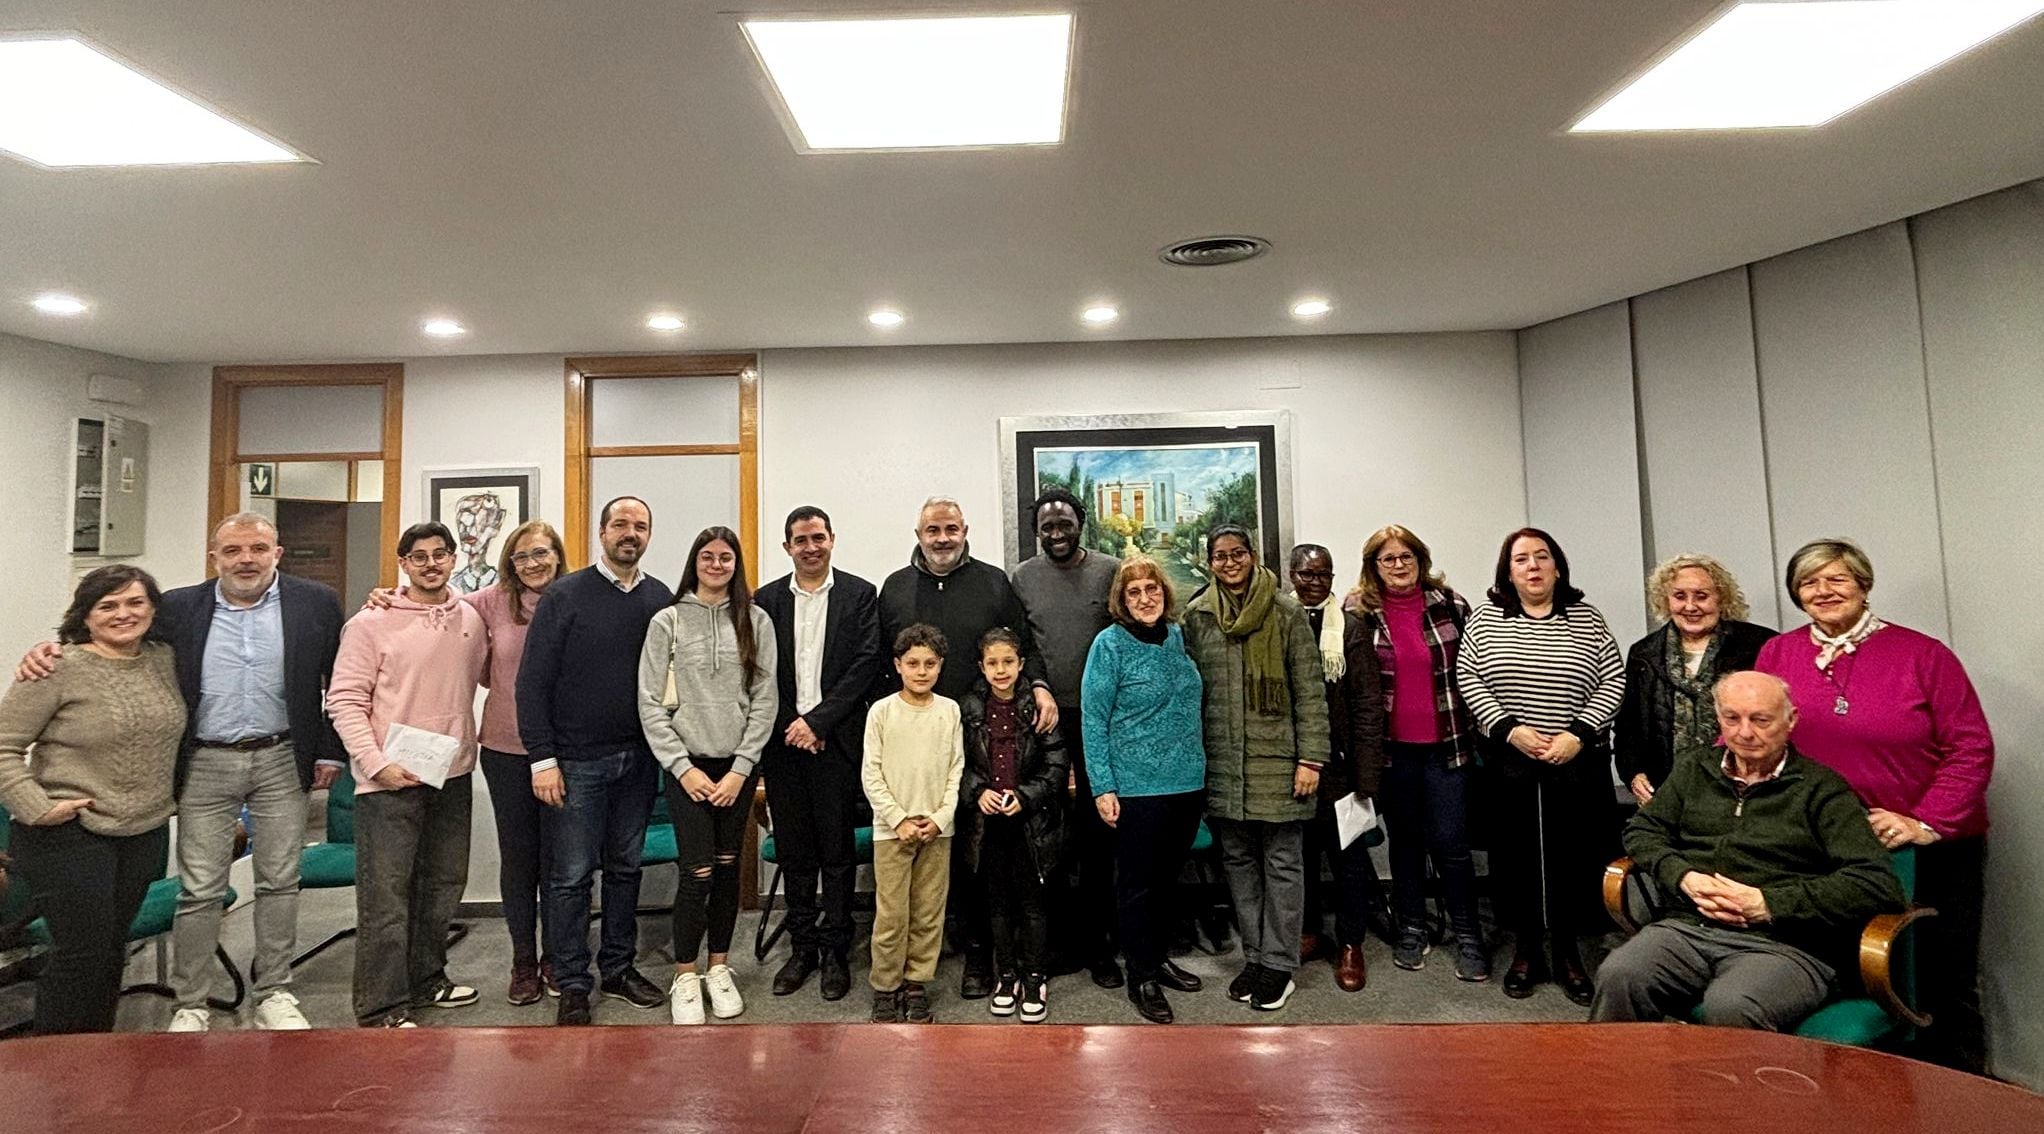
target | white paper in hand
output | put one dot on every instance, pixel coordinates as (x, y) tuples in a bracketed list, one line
[(427, 755), (1354, 816)]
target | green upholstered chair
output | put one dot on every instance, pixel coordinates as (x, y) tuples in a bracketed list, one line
[(330, 863), (1882, 1012), (763, 938)]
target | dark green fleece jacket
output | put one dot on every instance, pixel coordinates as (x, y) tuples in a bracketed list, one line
[(1802, 838)]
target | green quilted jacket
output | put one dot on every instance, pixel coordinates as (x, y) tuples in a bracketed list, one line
[(1251, 758)]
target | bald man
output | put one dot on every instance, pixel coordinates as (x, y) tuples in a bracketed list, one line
[(1762, 870)]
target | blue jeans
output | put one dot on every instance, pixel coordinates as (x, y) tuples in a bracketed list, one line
[(601, 825), (1427, 804)]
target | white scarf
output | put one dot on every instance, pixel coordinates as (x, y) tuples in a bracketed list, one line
[(1332, 657), (1828, 648)]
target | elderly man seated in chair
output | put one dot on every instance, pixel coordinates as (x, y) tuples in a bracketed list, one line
[(1759, 870)]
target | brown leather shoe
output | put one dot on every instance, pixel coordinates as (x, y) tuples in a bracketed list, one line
[(1349, 971), (1311, 946)]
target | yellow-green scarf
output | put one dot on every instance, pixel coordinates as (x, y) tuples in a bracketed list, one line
[(1248, 617)]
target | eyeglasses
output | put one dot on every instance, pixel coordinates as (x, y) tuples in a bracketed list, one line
[(1236, 556), (1399, 560), (536, 555), (428, 558)]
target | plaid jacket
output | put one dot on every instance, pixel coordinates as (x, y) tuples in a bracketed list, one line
[(1446, 614)]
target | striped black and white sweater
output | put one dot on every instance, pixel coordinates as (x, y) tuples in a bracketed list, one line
[(1559, 672)]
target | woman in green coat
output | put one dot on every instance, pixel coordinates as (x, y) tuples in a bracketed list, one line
[(1265, 720)]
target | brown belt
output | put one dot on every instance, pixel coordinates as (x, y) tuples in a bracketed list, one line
[(248, 744)]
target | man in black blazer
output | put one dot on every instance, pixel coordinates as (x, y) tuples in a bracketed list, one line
[(254, 648), (827, 629)]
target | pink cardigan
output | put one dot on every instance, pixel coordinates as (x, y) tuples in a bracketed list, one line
[(1913, 739), (507, 646), (410, 664)]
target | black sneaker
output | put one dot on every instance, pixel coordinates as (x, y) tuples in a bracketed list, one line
[(915, 1004), (1472, 960), (1007, 993), (633, 989), (1272, 991), (837, 977), (1411, 951), (886, 1007), (1244, 986), (573, 1009), (978, 980), (1035, 998), (795, 973)]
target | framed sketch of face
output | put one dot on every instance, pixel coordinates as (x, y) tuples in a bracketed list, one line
[(481, 507)]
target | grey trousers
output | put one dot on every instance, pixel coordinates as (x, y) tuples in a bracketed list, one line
[(217, 784), (1265, 866), (1740, 980), (411, 865)]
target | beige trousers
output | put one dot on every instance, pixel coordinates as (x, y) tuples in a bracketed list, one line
[(910, 881)]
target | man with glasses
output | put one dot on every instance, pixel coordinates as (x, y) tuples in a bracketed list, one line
[(578, 713)]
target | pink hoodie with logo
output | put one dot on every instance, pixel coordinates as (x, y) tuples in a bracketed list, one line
[(409, 664)]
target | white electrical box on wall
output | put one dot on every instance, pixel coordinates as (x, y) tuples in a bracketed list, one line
[(109, 486)]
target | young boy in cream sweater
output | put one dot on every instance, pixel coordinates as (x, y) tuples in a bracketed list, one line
[(914, 757)]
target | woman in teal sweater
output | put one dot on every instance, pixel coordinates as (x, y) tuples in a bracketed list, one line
[(1146, 760)]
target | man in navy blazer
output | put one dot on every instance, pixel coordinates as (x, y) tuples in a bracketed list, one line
[(827, 629)]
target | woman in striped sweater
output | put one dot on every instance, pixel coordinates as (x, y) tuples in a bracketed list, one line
[(1542, 676)]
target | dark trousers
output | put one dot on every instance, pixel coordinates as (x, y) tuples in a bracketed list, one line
[(1014, 896), (1357, 890), (813, 798), (411, 865), (1551, 822), (1427, 806), (87, 888), (1949, 877), (965, 905), (521, 852), (707, 839), (601, 825), (1084, 917), (1152, 840)]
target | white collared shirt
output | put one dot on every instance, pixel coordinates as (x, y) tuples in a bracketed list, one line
[(812, 611), (639, 576), (1731, 767)]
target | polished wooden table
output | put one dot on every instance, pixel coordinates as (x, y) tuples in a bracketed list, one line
[(1493, 1079)]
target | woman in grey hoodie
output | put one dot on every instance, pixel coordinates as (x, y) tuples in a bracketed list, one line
[(706, 699)]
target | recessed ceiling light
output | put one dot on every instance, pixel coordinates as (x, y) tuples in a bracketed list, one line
[(55, 304), (1775, 64), (443, 328), (886, 318), (919, 82), (1100, 316), (1311, 308), (665, 322), (63, 103)]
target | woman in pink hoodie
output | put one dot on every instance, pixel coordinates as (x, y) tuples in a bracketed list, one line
[(415, 663)]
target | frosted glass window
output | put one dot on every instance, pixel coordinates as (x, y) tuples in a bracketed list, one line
[(368, 481), (687, 494), (311, 419), (663, 411)]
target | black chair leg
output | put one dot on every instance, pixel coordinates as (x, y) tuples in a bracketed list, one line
[(240, 986), (763, 941)]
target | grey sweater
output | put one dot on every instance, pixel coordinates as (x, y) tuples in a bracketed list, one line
[(1067, 608), (102, 729), (716, 713)]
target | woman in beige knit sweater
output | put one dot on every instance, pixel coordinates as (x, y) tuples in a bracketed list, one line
[(87, 760)]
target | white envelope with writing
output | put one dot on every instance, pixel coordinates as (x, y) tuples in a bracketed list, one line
[(427, 755), (1354, 817)]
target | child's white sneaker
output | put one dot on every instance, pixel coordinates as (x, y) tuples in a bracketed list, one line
[(724, 999), (1007, 991), (685, 999)]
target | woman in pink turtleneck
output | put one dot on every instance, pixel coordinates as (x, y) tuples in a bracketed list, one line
[(1893, 711)]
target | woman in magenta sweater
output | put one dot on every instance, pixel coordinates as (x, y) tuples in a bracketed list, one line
[(1415, 621), (1893, 711)]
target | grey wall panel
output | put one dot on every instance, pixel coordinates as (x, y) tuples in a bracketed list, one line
[(1582, 456), (1847, 424), (1699, 420), (1981, 272)]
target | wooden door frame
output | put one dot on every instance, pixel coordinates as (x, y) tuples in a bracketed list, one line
[(223, 495), (578, 373)]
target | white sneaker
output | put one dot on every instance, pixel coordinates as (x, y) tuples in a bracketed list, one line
[(191, 1020), (724, 999), (279, 1013), (685, 999)]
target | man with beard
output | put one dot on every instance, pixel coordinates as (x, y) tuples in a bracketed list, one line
[(1064, 591), (944, 586), (827, 629), (578, 713)]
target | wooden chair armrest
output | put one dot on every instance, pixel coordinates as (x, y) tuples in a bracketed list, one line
[(1876, 947), (1615, 875)]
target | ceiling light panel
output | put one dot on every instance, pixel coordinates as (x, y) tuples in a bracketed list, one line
[(65, 104), (1800, 63), (919, 83), (54, 303)]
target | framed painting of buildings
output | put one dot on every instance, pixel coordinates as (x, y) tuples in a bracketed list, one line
[(1153, 483)]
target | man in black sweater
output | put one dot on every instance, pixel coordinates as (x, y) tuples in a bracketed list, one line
[(943, 585), (1768, 868), (578, 713), (827, 628)]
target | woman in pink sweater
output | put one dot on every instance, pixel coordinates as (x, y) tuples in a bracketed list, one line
[(413, 663), (1893, 711)]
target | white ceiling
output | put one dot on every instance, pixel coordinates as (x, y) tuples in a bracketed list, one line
[(550, 173)]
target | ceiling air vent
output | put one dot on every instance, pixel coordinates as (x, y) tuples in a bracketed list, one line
[(1213, 251)]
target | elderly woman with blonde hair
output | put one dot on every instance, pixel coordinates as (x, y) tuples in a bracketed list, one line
[(1670, 672)]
